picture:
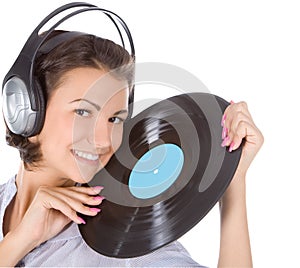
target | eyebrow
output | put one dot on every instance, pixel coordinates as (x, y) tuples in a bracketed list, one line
[(98, 107), (90, 102), (121, 112)]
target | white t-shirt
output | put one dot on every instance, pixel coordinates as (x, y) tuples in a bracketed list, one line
[(68, 248)]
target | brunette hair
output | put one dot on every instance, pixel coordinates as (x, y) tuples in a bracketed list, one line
[(81, 51)]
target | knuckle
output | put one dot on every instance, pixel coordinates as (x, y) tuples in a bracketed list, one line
[(87, 199), (242, 124), (81, 197), (84, 210), (241, 106), (239, 115), (72, 213), (68, 200), (244, 104)]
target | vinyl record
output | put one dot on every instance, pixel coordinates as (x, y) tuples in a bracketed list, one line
[(168, 173)]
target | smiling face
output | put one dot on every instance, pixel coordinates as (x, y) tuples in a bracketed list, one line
[(83, 124)]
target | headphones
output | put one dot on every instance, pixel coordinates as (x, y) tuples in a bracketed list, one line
[(24, 103)]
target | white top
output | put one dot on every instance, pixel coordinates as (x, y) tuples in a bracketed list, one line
[(69, 249)]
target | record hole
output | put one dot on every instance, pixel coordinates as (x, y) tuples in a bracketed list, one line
[(156, 171)]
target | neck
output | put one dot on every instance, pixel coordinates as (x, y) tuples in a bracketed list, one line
[(28, 183)]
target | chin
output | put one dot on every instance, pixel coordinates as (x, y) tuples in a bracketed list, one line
[(83, 173), (86, 177), (82, 180)]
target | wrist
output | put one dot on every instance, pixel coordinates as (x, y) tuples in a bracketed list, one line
[(21, 237), (236, 191), (14, 247)]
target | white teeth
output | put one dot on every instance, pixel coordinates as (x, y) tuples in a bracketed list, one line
[(88, 156)]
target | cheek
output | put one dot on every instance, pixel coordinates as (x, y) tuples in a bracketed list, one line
[(57, 129), (82, 128)]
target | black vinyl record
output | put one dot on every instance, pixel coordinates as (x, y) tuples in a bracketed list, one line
[(154, 198)]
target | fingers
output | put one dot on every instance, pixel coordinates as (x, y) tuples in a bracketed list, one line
[(238, 125), (70, 200), (237, 132), (86, 190), (52, 202), (85, 195)]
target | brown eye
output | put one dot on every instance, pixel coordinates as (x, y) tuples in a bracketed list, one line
[(116, 120), (83, 112)]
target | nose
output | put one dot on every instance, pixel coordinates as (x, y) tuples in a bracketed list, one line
[(102, 137)]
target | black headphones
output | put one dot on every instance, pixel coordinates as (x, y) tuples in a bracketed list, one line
[(23, 97)]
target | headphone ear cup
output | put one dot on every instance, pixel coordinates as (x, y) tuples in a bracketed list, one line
[(17, 110), (18, 113)]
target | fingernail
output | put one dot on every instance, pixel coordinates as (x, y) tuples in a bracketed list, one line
[(97, 198), (82, 220), (98, 188), (231, 102), (95, 209), (225, 141), (231, 147), (224, 132), (223, 120)]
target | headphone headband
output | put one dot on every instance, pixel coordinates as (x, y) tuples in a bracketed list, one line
[(35, 41), (23, 69)]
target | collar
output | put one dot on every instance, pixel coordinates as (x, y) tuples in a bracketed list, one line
[(6, 195)]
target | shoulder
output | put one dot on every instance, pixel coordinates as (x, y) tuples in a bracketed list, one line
[(7, 191), (2, 188), (7, 188)]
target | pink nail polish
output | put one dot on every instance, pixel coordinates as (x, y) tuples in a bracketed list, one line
[(231, 147), (82, 220), (98, 188), (98, 198), (225, 141), (231, 102), (95, 209), (224, 132)]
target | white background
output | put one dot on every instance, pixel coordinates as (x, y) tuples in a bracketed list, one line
[(241, 50)]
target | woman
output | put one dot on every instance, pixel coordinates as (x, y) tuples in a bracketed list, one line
[(87, 91)]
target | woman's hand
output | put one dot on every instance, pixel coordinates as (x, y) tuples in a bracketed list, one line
[(54, 207), (50, 211), (238, 125)]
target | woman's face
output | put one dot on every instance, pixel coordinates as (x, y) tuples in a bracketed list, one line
[(83, 124)]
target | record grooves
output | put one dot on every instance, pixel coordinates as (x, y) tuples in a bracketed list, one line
[(129, 226)]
